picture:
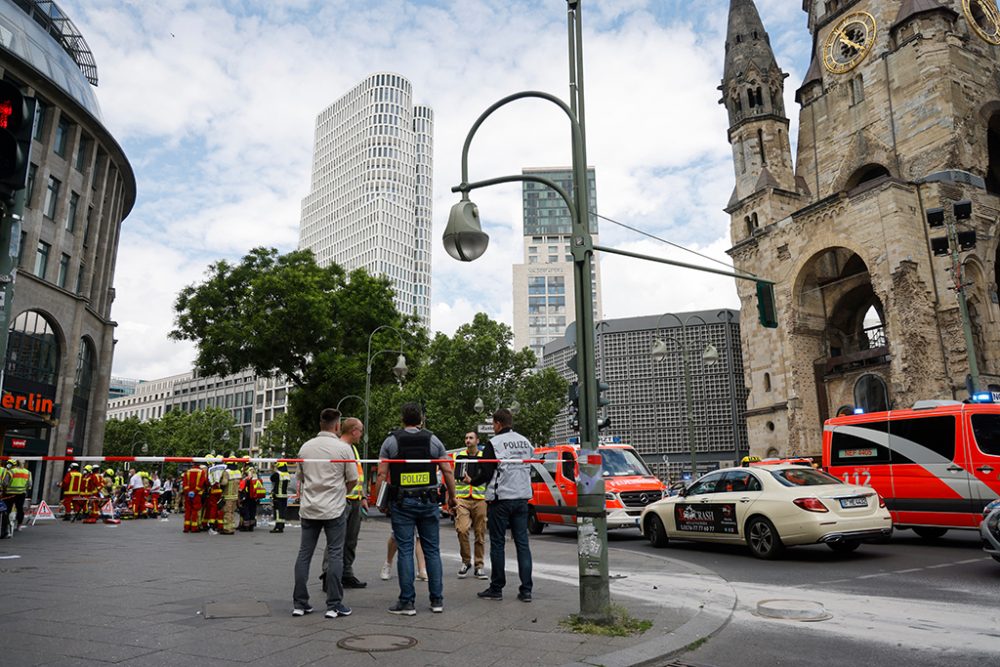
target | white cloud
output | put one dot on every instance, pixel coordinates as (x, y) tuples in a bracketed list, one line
[(215, 104)]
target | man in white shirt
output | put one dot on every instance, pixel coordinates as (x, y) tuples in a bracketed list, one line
[(137, 491), (323, 489)]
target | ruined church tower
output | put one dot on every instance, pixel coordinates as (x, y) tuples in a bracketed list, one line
[(899, 115)]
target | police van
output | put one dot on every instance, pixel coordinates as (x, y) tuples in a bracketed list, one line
[(937, 465), (628, 485)]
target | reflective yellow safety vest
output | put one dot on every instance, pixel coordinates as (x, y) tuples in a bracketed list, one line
[(359, 488), (281, 490), (462, 489), (20, 480), (232, 489)]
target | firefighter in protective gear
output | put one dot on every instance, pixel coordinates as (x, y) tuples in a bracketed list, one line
[(94, 485), (251, 491), (230, 496), (195, 482), (71, 486), (212, 516), (82, 504), (280, 480), (470, 511), (109, 483), (18, 488)]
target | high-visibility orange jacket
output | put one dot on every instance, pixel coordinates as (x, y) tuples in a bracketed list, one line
[(72, 483), (195, 479)]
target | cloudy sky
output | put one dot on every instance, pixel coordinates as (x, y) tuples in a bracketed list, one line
[(215, 101)]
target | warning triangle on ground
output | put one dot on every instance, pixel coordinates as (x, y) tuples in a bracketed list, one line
[(108, 508), (43, 511)]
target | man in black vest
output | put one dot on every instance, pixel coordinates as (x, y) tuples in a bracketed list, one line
[(415, 504)]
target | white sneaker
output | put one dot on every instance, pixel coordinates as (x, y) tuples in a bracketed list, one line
[(480, 573), (302, 612), (463, 571), (211, 531), (386, 572)]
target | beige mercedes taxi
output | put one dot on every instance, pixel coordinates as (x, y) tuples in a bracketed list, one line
[(769, 507)]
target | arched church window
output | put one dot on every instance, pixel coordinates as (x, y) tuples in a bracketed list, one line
[(993, 147), (865, 174), (753, 220), (767, 382), (751, 98), (749, 224), (870, 393), (760, 145), (759, 96)]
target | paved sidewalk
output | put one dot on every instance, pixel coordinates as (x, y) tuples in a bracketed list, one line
[(138, 594)]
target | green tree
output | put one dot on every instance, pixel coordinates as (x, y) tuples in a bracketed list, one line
[(282, 437), (477, 362), (126, 437), (284, 315)]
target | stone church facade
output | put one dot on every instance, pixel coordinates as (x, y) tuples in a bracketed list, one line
[(899, 114)]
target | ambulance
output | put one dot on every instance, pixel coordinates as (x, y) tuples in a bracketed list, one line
[(936, 465), (628, 485)]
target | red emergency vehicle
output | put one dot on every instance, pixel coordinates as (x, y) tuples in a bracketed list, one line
[(628, 486), (937, 465)]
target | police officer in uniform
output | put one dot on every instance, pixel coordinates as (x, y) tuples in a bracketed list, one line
[(279, 495), (508, 489), (415, 504)]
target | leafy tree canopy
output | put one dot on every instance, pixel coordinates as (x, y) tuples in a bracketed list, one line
[(284, 315), (477, 362)]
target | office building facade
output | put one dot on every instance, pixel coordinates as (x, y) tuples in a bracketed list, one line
[(543, 285), (648, 398), (369, 205)]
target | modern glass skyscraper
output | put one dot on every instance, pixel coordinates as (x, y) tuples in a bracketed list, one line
[(370, 200), (543, 284)]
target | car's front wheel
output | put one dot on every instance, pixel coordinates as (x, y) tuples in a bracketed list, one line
[(843, 547), (535, 527), (763, 538), (656, 533)]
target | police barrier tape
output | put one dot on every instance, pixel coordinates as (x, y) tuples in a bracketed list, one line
[(247, 459)]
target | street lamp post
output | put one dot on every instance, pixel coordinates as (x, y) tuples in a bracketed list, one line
[(399, 370), (709, 356), (465, 240), (341, 401)]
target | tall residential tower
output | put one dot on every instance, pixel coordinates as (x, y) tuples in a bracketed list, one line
[(543, 285), (370, 200)]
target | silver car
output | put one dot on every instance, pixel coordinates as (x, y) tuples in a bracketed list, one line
[(989, 528)]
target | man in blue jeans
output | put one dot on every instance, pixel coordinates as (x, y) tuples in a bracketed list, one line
[(415, 504), (508, 489), (323, 488)]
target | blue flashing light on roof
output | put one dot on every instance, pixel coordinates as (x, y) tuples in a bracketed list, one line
[(982, 397), (859, 411)]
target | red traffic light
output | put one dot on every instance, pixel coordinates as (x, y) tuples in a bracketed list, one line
[(12, 107)]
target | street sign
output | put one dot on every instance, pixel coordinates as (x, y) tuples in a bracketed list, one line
[(485, 429), (996, 396)]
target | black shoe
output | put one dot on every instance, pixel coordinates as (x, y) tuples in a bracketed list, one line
[(275, 530), (403, 609), (490, 594), (524, 597), (353, 582)]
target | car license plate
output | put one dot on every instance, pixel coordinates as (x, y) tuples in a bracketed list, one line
[(857, 501)]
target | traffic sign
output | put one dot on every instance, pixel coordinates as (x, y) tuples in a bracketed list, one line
[(485, 429)]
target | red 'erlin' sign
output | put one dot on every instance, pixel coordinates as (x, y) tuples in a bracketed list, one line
[(18, 443)]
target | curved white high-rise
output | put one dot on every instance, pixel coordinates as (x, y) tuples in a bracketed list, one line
[(370, 200)]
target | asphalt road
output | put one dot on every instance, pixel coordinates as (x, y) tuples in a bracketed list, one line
[(930, 603)]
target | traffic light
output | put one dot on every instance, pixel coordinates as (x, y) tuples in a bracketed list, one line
[(602, 400), (574, 406), (17, 116), (766, 309)]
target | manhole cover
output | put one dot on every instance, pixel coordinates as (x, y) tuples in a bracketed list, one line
[(793, 610), (376, 643), (240, 609)]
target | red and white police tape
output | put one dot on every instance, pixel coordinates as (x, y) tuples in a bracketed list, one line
[(244, 459)]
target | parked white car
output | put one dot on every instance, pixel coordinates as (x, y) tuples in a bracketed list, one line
[(769, 507)]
